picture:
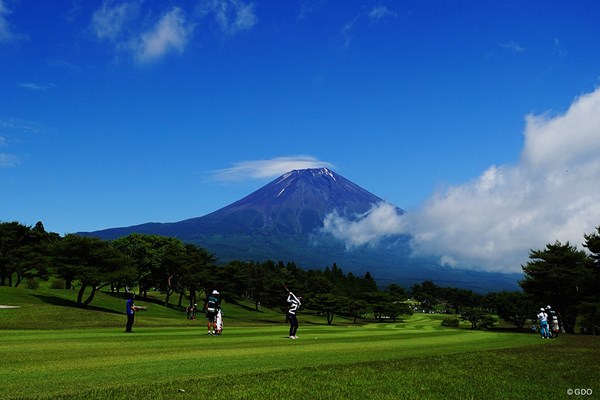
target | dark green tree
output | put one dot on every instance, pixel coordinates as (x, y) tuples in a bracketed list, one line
[(394, 309), (457, 299), (590, 304), (150, 255), (378, 303), (196, 271), (368, 284), (513, 307), (328, 304), (13, 235), (396, 292), (91, 261), (29, 259), (427, 293), (557, 276), (478, 318), (357, 308)]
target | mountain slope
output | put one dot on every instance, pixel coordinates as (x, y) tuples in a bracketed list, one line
[(294, 204), (283, 221)]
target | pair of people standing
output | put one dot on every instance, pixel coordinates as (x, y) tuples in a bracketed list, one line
[(548, 322)]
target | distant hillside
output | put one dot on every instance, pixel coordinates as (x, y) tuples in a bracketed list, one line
[(282, 221)]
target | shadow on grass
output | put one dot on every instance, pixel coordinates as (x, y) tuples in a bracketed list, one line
[(511, 330), (248, 308), (57, 301)]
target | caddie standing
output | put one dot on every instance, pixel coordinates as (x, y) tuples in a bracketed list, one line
[(211, 307)]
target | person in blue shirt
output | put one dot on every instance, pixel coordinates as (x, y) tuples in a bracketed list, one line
[(130, 309)]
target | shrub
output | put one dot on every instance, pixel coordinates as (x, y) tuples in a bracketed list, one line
[(451, 322), (479, 319), (58, 284), (32, 283)]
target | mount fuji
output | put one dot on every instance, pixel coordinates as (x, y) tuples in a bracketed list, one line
[(284, 221)]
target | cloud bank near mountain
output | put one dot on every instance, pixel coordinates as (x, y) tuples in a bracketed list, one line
[(492, 222)]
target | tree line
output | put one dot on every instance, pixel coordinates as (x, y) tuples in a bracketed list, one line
[(183, 273), (559, 275)]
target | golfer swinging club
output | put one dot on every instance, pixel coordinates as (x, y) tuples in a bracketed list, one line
[(295, 305)]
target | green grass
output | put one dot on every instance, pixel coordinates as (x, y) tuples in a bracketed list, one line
[(412, 359)]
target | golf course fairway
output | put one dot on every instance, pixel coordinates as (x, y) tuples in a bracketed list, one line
[(416, 358)]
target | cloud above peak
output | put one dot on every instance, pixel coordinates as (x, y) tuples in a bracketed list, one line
[(492, 222), (262, 169)]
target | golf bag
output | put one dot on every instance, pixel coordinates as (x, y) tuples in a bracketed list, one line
[(219, 322)]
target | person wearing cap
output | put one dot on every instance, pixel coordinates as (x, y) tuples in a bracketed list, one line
[(211, 307), (552, 321), (543, 318)]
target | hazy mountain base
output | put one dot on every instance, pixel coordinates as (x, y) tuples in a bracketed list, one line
[(389, 262)]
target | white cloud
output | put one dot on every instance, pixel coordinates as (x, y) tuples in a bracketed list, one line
[(347, 31), (368, 229), (492, 222), (36, 86), (375, 15), (111, 21), (130, 28), (170, 33), (261, 169), (7, 34), (379, 13), (65, 65), (513, 46), (120, 24), (8, 160), (232, 16), (19, 126)]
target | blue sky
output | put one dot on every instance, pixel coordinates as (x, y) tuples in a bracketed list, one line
[(116, 113)]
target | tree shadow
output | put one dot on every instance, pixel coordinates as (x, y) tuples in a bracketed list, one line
[(57, 301), (248, 308), (511, 330), (316, 323)]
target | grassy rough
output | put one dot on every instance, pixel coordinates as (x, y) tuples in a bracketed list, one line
[(70, 353)]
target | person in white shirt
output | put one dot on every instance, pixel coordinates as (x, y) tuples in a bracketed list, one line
[(295, 305), (553, 327), (543, 318)]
